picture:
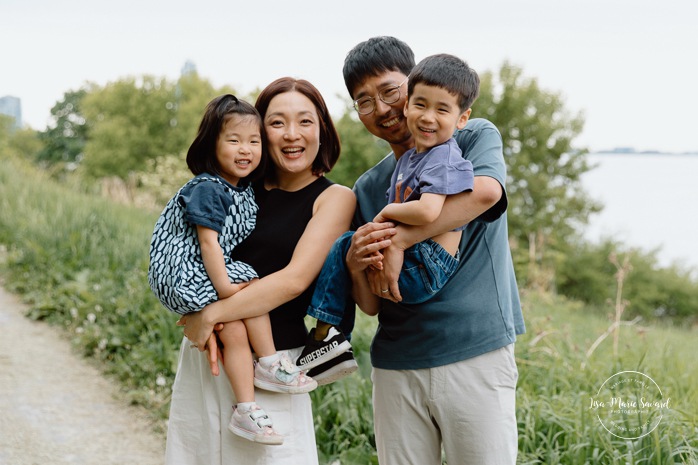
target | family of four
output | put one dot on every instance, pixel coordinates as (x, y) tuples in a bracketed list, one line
[(260, 238)]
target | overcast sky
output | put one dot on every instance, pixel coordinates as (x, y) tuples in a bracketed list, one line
[(629, 65)]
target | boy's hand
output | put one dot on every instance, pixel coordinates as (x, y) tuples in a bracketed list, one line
[(366, 243)]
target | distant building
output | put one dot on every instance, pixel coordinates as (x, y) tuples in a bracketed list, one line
[(188, 68), (12, 106)]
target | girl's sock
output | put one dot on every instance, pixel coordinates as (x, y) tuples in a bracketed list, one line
[(245, 406), (268, 361)]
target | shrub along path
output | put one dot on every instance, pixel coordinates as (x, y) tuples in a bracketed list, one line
[(57, 409)]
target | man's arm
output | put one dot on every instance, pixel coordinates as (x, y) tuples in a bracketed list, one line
[(458, 210)]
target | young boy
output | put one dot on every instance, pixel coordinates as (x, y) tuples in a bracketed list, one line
[(440, 92)]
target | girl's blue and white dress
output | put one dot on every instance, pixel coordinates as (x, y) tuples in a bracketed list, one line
[(176, 273)]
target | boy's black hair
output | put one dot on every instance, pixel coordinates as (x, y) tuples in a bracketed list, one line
[(376, 56), (201, 156), (448, 72)]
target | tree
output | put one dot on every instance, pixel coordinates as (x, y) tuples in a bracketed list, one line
[(134, 120), (130, 121), (546, 201), (22, 143), (191, 95), (64, 139)]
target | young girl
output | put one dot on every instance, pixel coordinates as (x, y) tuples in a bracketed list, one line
[(190, 263)]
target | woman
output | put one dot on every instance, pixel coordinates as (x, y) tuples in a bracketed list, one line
[(300, 215)]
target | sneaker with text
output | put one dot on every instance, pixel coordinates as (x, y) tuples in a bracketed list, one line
[(335, 369), (316, 353)]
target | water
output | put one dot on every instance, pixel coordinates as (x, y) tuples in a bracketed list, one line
[(649, 202)]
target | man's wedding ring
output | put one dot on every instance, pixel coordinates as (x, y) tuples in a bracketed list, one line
[(384, 290)]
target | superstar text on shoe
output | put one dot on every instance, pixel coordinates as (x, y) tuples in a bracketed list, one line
[(335, 369), (316, 353)]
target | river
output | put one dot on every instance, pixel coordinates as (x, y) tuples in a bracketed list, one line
[(649, 202)]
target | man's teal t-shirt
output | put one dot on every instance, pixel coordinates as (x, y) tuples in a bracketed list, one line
[(478, 310)]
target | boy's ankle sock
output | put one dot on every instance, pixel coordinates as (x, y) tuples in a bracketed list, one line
[(321, 330), (245, 406), (269, 360)]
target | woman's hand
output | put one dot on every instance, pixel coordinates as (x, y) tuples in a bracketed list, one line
[(212, 348), (214, 352), (197, 329)]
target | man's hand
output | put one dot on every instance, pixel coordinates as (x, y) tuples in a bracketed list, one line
[(383, 282)]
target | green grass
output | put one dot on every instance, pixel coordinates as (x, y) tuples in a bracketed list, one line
[(80, 262), (557, 381)]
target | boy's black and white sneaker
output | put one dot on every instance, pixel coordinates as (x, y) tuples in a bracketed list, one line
[(318, 352), (336, 369)]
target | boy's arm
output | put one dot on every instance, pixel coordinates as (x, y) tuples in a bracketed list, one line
[(214, 263), (459, 209), (416, 213)]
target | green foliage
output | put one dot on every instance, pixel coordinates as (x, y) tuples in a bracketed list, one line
[(134, 120), (652, 291), (130, 121), (546, 201), (360, 149), (65, 138), (81, 262), (162, 178), (191, 95), (557, 380), (23, 143)]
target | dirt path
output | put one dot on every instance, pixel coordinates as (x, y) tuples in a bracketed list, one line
[(57, 409)]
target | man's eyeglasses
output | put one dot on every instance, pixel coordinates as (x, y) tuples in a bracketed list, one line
[(389, 95)]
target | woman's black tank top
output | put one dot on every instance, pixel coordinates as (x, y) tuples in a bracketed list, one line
[(281, 221)]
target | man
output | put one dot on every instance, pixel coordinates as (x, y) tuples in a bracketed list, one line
[(444, 371)]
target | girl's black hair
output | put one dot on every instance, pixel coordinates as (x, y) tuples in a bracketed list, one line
[(201, 156)]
